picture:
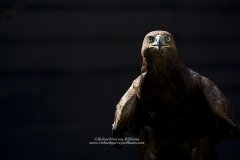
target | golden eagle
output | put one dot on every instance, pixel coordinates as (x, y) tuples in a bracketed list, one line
[(176, 112)]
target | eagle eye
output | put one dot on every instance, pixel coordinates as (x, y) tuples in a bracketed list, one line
[(150, 39), (168, 39)]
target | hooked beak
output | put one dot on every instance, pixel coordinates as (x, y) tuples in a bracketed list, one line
[(158, 43)]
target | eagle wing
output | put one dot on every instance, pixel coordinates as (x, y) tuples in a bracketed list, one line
[(128, 111), (218, 104)]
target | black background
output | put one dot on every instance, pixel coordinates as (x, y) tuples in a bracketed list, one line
[(64, 64)]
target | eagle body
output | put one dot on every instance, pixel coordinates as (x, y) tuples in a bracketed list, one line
[(177, 117), (176, 112), (172, 106)]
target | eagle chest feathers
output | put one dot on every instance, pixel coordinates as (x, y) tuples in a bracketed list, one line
[(171, 106), (155, 94)]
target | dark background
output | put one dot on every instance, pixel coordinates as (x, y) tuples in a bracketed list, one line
[(64, 64)]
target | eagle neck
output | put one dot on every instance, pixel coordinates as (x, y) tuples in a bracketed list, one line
[(173, 74)]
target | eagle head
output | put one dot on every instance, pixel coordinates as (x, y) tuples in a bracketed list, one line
[(158, 51)]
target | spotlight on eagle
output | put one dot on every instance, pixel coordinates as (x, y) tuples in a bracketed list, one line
[(177, 113)]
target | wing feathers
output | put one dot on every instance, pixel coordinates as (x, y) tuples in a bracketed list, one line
[(218, 103), (126, 109)]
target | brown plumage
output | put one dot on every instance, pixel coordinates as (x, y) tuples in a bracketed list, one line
[(176, 112)]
